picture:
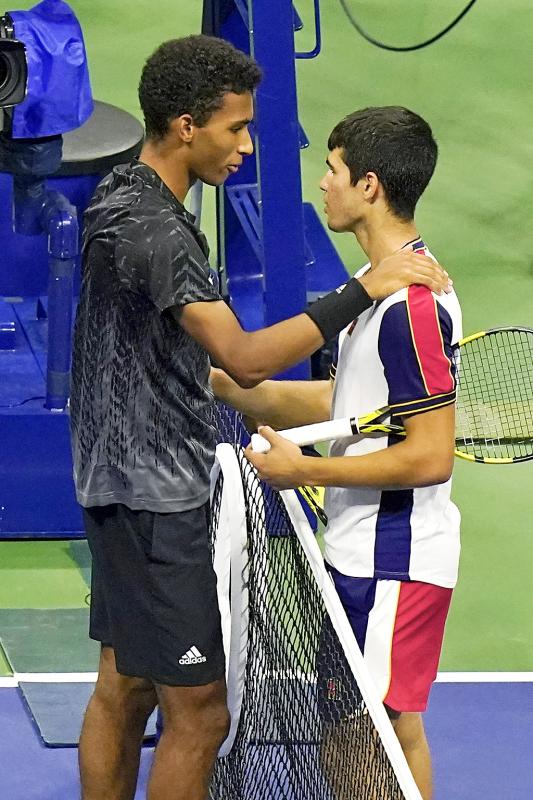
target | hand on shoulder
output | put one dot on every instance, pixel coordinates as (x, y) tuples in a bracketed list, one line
[(402, 269)]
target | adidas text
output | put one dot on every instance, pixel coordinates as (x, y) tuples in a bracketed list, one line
[(192, 656)]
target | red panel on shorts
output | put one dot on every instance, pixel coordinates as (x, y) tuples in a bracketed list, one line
[(416, 644)]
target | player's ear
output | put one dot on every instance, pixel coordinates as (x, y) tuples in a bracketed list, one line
[(370, 185), (182, 127)]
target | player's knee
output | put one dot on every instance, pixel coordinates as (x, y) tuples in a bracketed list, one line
[(201, 715), (209, 718), (216, 723), (133, 697)]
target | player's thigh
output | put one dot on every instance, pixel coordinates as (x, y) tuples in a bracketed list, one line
[(122, 693)]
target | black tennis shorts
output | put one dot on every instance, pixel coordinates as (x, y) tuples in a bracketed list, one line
[(153, 594)]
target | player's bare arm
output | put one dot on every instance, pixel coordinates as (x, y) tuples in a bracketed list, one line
[(280, 404), (252, 357), (247, 357), (424, 458)]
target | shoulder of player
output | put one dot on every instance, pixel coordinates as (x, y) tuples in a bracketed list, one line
[(417, 308), (421, 297), (151, 223), (407, 293), (126, 190), (120, 200), (449, 300), (393, 299)]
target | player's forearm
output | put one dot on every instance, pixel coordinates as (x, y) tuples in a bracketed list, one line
[(280, 404), (266, 352), (401, 466), (252, 357)]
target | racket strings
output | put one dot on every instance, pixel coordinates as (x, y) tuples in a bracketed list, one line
[(495, 400)]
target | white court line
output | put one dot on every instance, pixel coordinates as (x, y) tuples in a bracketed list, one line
[(48, 677), (12, 681), (485, 677)]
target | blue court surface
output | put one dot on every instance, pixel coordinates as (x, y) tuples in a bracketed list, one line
[(480, 735)]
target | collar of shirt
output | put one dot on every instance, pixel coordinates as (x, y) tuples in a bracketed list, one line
[(150, 176)]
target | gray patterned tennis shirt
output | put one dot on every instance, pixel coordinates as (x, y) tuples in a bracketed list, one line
[(141, 409)]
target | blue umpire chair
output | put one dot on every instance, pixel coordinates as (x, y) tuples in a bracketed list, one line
[(55, 145)]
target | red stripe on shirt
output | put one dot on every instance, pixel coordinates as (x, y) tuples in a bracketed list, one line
[(427, 339)]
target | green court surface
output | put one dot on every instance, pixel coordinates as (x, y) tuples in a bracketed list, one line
[(81, 555), (474, 88), (35, 577), (48, 640), (40, 575), (5, 669), (489, 628)]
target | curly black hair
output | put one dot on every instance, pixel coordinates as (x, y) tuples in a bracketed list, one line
[(396, 144), (191, 76)]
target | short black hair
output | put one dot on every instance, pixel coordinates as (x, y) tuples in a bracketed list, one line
[(396, 144), (191, 76)]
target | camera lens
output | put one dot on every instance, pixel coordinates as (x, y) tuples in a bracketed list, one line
[(5, 71), (13, 73)]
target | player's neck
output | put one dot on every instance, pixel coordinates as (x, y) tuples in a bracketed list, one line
[(169, 166), (380, 241)]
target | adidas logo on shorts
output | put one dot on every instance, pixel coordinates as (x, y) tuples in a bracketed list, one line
[(192, 656)]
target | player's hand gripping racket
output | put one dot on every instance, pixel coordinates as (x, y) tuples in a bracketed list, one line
[(494, 411)]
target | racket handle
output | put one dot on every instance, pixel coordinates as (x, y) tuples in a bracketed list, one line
[(310, 434)]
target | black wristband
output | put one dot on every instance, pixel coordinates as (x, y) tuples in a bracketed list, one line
[(337, 309)]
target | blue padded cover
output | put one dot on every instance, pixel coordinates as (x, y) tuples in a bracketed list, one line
[(59, 96)]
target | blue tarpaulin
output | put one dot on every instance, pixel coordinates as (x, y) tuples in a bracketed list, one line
[(59, 95)]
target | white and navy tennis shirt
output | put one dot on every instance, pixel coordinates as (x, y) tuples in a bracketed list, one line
[(398, 353)]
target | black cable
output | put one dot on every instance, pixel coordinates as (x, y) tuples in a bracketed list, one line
[(394, 49), (23, 402)]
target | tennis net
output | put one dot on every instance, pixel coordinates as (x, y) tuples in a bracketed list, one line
[(306, 722)]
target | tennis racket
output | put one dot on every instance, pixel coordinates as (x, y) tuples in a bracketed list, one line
[(494, 408)]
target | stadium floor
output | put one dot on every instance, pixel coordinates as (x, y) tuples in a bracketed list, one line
[(480, 735)]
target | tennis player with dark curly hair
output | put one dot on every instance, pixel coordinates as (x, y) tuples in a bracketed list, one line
[(149, 320)]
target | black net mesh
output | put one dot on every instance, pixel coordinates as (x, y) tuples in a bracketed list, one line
[(494, 416), (230, 426), (305, 732)]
